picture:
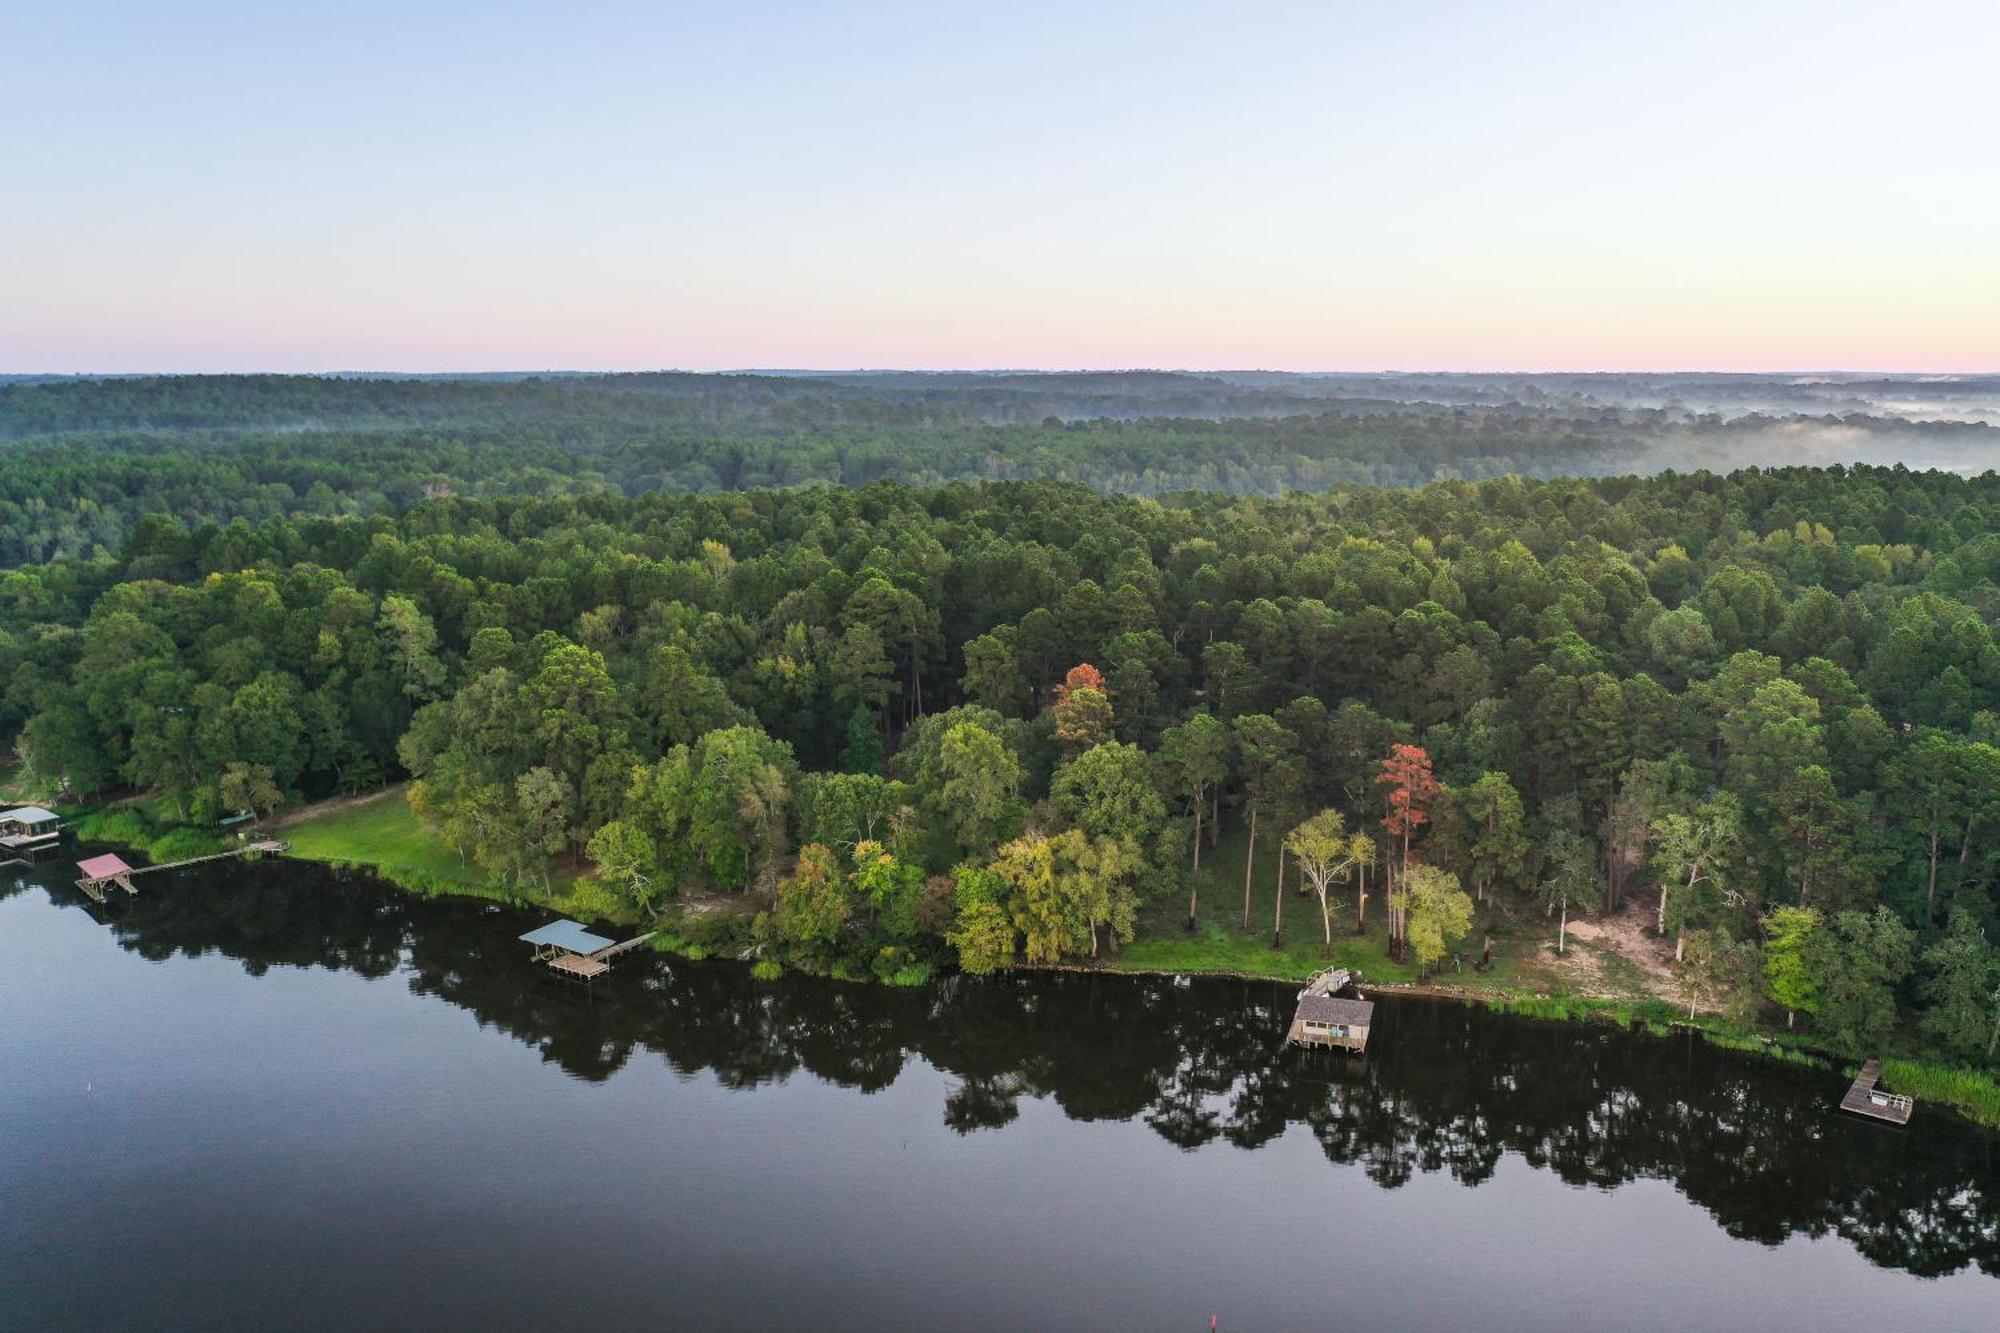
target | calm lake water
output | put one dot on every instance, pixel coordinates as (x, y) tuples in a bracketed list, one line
[(276, 1096)]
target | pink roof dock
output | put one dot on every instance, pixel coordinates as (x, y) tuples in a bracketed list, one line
[(102, 867)]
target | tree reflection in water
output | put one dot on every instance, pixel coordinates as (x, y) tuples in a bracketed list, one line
[(1446, 1087)]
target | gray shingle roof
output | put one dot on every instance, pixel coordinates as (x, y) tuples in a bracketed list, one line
[(1332, 1009)]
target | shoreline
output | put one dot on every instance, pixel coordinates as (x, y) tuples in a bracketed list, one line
[(1977, 1100), (1973, 1095)]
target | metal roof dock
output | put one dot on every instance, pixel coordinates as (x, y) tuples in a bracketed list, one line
[(565, 936)]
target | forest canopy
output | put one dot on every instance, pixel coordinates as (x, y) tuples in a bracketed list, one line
[(965, 723)]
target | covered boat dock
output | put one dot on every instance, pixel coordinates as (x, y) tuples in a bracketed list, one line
[(98, 871), (574, 952)]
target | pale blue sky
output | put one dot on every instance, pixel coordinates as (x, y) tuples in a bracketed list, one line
[(1335, 185)]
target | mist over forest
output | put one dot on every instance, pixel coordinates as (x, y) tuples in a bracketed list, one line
[(108, 450)]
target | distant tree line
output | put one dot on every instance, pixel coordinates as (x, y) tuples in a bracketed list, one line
[(83, 461)]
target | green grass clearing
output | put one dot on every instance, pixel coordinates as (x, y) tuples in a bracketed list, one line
[(382, 834), (1220, 944)]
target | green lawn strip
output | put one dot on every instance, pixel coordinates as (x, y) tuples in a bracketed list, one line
[(384, 836), (1219, 944)]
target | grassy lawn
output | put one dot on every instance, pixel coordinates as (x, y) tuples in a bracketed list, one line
[(1219, 944), (381, 834)]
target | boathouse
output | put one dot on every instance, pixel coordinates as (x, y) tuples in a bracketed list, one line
[(29, 828), (1328, 1020), (1325, 1018)]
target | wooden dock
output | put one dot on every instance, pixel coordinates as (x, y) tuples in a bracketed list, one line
[(574, 953), (1864, 1098), (591, 966), (94, 888), (606, 955), (121, 875), (578, 966), (245, 850)]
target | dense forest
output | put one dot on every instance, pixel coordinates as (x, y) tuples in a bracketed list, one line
[(970, 723), (82, 460)]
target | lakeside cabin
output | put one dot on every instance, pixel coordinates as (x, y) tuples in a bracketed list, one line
[(29, 828), (1325, 1019)]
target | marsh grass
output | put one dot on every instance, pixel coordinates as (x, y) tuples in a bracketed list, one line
[(1974, 1094)]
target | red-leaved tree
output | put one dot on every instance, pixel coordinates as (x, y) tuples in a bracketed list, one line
[(1412, 790), (1082, 709), (1082, 676)]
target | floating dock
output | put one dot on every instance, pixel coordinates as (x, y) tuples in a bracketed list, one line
[(1864, 1098), (1325, 1019)]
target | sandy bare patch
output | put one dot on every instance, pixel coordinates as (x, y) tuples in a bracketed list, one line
[(333, 806), (695, 906), (1595, 941)]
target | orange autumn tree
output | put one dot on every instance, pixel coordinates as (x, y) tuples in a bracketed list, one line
[(1082, 676), (1412, 789), (1082, 709)]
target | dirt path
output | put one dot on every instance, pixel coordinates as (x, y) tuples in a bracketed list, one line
[(695, 906), (333, 805)]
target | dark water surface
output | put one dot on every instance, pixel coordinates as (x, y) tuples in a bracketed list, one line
[(273, 1096)]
